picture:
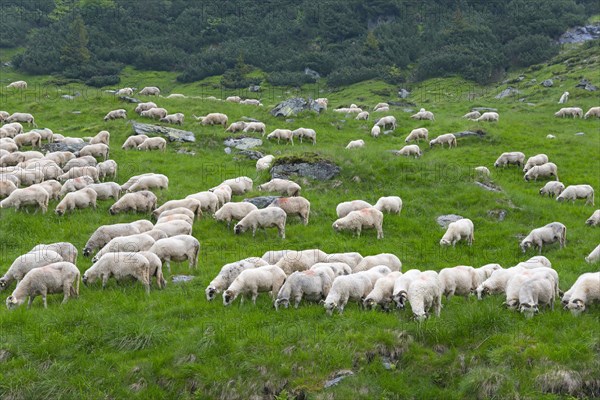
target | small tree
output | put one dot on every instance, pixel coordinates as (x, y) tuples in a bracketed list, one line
[(75, 51)]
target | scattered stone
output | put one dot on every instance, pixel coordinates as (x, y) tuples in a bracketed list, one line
[(174, 135), (478, 133), (290, 120), (338, 377), (251, 154), (356, 179), (580, 34), (535, 80), (388, 132), (522, 99), (186, 151), (76, 112), (254, 88), (579, 134), (243, 143), (129, 99), (489, 186), (58, 146), (445, 220), (499, 214), (484, 109), (312, 73), (403, 93), (387, 364), (4, 355), (294, 106), (520, 78), (250, 119), (262, 201), (509, 91), (227, 150), (408, 110), (548, 83), (550, 137), (67, 97), (320, 170), (585, 84), (181, 278)]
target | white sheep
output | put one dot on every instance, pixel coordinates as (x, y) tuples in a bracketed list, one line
[(236, 127), (101, 137), (312, 285), (155, 112), (409, 150), (37, 196), (594, 256), (594, 219), (545, 170), (539, 159), (174, 227), (72, 185), (458, 230), (228, 273), (401, 286), (482, 172), (189, 218), (191, 204), (563, 98), (132, 180), (382, 292), (17, 85), (60, 157), (250, 282), (389, 204), (283, 186), (497, 281), (255, 127), (569, 112), (424, 294), (293, 206), (252, 102), (514, 284), (574, 192), (120, 265), (284, 134), (107, 169), (567, 295), (234, 212), (145, 106), (550, 233), (124, 92), (356, 221), (208, 200), (423, 114), (305, 133), (66, 250), (82, 198), (347, 207), (31, 138), (213, 119), (264, 163), (106, 233), (460, 281), (21, 117), (389, 260), (292, 260), (142, 201), (223, 193), (515, 157), (178, 211), (239, 185), (36, 258), (552, 188), (472, 115), (14, 127), (176, 118), (54, 278), (234, 99), (539, 261), (153, 143), (447, 138), (155, 268), (116, 114), (131, 243), (177, 248), (385, 121), (133, 142), (533, 293), (584, 292), (150, 91), (593, 112), (352, 259), (155, 181), (375, 131), (265, 218), (82, 161), (6, 188), (95, 150), (336, 268), (347, 287), (416, 134), (29, 177), (489, 116), (77, 172), (362, 116)]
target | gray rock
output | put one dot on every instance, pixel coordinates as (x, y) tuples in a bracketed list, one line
[(252, 154), (478, 133), (76, 112), (262, 201), (403, 93), (445, 220), (254, 88), (289, 120), (312, 73), (129, 99), (585, 84), (181, 278), (174, 135), (387, 364), (294, 106), (227, 150), (499, 214), (319, 170), (520, 78), (77, 94), (250, 119), (408, 110), (535, 80), (489, 186), (4, 355), (509, 91), (550, 136), (67, 97), (58, 146), (484, 109), (580, 34), (185, 151), (337, 378), (548, 83), (242, 143), (579, 134)]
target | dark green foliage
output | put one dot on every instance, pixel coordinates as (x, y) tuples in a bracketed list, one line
[(528, 50)]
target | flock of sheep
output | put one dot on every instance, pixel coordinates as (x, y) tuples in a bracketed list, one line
[(140, 248)]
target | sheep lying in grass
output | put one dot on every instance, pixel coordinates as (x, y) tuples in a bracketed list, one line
[(539, 159), (177, 248), (550, 233), (424, 294), (106, 233), (208, 200), (273, 217), (311, 285), (584, 292), (82, 198), (292, 260), (389, 204), (26, 262), (552, 189), (546, 170), (116, 114), (234, 212), (283, 186), (250, 282), (131, 243), (293, 206), (54, 278), (133, 142), (382, 292), (458, 230), (409, 150), (356, 221), (142, 201), (594, 256), (228, 274), (28, 196), (594, 220), (119, 265), (389, 260), (574, 192), (416, 134), (347, 207), (515, 157)]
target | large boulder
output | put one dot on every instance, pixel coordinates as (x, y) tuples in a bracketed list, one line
[(509, 91), (242, 143), (294, 106), (585, 84), (58, 146), (174, 135), (309, 165), (548, 83), (580, 34)]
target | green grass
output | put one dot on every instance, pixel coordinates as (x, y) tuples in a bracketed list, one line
[(120, 343)]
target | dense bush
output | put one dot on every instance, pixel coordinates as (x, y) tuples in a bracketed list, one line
[(103, 80)]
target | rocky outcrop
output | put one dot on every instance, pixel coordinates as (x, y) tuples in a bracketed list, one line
[(172, 134), (445, 220), (58, 146), (242, 143), (310, 167), (580, 34), (294, 106)]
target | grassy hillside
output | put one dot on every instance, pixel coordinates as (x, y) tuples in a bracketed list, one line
[(119, 342)]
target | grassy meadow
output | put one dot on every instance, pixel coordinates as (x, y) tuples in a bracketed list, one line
[(121, 343)]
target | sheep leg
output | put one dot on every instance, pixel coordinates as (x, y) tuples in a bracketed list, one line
[(67, 291), (254, 296), (281, 230), (44, 299), (30, 301), (104, 280), (168, 262)]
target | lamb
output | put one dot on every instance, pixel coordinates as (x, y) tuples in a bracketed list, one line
[(389, 204), (458, 230), (106, 190), (574, 192), (150, 91), (17, 85), (234, 211), (401, 286), (213, 119), (21, 117), (154, 143), (305, 133), (124, 92), (30, 138), (208, 200), (95, 150), (545, 170), (66, 250), (77, 172), (236, 127), (119, 265), (533, 293), (37, 196), (82, 198), (344, 288), (191, 204), (472, 115), (264, 163), (282, 186), (594, 256), (357, 220), (552, 189), (569, 112), (133, 142), (389, 260), (293, 206), (416, 134), (82, 161), (223, 193), (355, 144), (176, 119), (154, 113), (460, 281), (155, 181), (54, 278), (584, 292), (313, 285), (346, 207), (594, 220), (593, 112), (101, 137), (116, 114), (255, 127), (265, 218), (177, 248), (268, 278), (515, 157), (131, 243), (106, 233), (424, 294), (563, 98), (489, 116), (423, 114), (284, 134), (6, 188), (382, 292), (107, 169), (550, 233), (336, 268), (409, 150), (228, 274), (292, 260), (448, 138), (362, 116), (145, 106), (385, 121), (23, 264), (142, 201), (539, 159), (239, 185)]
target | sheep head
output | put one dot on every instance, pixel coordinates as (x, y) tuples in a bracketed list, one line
[(12, 302)]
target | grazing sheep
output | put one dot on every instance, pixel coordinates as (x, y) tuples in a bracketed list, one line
[(593, 112), (336, 268), (54, 278), (458, 230), (154, 113), (545, 170), (273, 256), (116, 114), (236, 127), (228, 274), (482, 172), (539, 159), (150, 91), (145, 106), (574, 192), (14, 127), (191, 204), (539, 261), (552, 189), (448, 138), (424, 294), (515, 157), (239, 185), (416, 134), (154, 143), (72, 185), (533, 293), (409, 150), (389, 204), (101, 137), (95, 150), (344, 288), (515, 283), (385, 121), (292, 260), (208, 200), (177, 248), (472, 115), (283, 186), (36, 258), (31, 138), (37, 196), (66, 250), (497, 281), (382, 292), (265, 218), (594, 256), (234, 99), (176, 119), (77, 172), (223, 193), (355, 144), (401, 286), (131, 243), (133, 142), (284, 134), (569, 112), (347, 207), (255, 127), (563, 98), (323, 102), (106, 190), (305, 133), (268, 278), (489, 116), (156, 181), (132, 180), (293, 206), (21, 117), (423, 114), (460, 281), (389, 260), (312, 285), (550, 233), (584, 292), (142, 201), (484, 272), (82, 198), (29, 177), (375, 131), (362, 116), (380, 105), (356, 221), (234, 211), (189, 218), (6, 188), (264, 163), (17, 85), (106, 233), (583, 277), (120, 265), (48, 169), (107, 169), (594, 220), (252, 102), (213, 119), (178, 211), (82, 161), (124, 92), (352, 259)]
